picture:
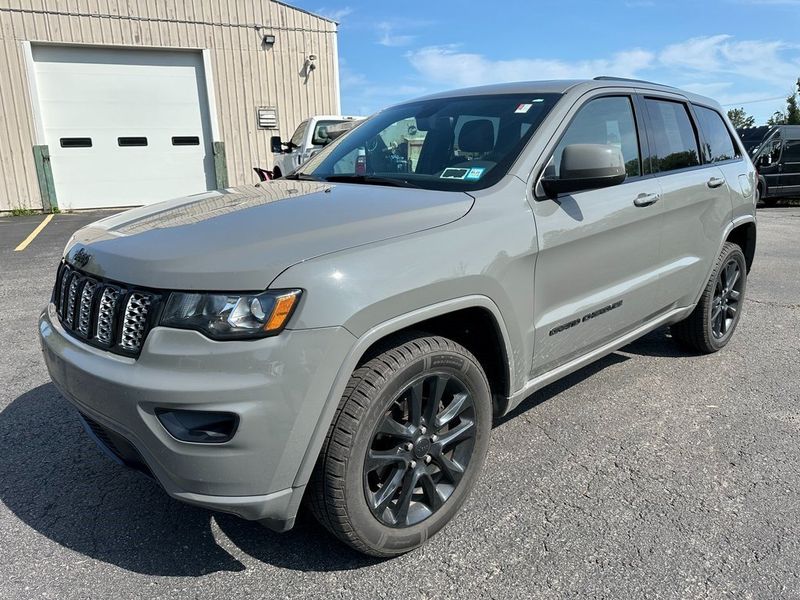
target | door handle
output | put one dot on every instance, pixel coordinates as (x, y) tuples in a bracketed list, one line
[(715, 182), (646, 199)]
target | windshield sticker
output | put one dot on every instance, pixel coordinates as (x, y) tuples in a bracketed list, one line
[(523, 108), (454, 173), (475, 173)]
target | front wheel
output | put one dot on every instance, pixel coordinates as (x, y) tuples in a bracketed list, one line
[(711, 325), (405, 447)]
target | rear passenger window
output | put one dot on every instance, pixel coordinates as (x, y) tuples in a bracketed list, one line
[(718, 143), (673, 136), (607, 120)]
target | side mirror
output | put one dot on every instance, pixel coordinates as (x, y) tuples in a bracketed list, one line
[(275, 144), (764, 160), (586, 167)]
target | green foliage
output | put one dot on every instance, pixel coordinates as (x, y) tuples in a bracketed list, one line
[(792, 110), (740, 119), (777, 118), (22, 212)]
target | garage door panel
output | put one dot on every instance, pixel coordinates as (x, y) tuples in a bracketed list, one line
[(108, 93)]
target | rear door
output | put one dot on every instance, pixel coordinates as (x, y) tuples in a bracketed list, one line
[(790, 168), (595, 273), (695, 200)]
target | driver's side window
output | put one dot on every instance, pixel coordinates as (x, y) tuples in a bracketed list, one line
[(608, 120), (775, 150), (298, 135)]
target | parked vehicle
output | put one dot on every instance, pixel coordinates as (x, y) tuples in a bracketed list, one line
[(778, 162), (347, 333), (752, 137), (309, 137)]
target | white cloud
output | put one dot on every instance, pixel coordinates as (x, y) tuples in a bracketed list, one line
[(335, 14), (764, 60), (448, 65), (391, 39)]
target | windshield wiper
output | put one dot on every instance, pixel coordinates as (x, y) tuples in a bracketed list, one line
[(302, 177), (371, 179)]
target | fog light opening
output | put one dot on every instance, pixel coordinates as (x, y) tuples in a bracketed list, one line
[(198, 426)]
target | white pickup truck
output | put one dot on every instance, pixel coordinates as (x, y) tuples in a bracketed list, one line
[(308, 139)]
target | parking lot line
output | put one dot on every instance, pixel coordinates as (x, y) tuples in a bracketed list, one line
[(33, 234)]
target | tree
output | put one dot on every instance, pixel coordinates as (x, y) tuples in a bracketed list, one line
[(740, 119), (792, 110), (777, 118)]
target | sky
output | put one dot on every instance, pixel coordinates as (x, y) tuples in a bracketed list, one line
[(743, 53)]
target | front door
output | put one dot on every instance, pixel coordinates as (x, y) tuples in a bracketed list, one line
[(790, 168), (768, 163), (594, 277)]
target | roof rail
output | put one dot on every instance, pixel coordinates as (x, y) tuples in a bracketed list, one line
[(612, 78)]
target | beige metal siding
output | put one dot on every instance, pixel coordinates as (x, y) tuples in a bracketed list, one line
[(245, 74)]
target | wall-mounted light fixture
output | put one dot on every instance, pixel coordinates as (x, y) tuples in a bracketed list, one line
[(268, 40)]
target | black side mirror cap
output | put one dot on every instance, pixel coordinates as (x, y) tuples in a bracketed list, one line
[(275, 144)]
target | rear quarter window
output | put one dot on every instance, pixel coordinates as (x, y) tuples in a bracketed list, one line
[(718, 144)]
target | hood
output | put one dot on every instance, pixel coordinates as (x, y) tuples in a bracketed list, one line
[(242, 238)]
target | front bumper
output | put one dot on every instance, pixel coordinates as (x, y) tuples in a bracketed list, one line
[(278, 386)]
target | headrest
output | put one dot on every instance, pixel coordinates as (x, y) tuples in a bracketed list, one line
[(476, 136)]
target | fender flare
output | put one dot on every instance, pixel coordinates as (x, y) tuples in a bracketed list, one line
[(738, 221), (374, 334)]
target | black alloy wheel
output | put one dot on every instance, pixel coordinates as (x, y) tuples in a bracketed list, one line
[(405, 447), (727, 297), (420, 450)]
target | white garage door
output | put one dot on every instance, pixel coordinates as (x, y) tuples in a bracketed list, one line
[(124, 127)]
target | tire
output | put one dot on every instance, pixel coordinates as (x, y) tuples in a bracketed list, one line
[(276, 173), (769, 202), (711, 325), (348, 493)]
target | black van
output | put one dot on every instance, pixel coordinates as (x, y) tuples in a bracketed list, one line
[(777, 159)]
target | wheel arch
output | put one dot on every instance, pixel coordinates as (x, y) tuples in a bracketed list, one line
[(744, 236), (464, 319)]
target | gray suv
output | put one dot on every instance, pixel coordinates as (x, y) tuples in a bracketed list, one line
[(346, 335)]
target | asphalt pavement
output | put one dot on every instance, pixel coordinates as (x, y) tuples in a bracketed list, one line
[(650, 474)]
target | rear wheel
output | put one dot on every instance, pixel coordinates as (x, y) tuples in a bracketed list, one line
[(405, 448), (712, 323)]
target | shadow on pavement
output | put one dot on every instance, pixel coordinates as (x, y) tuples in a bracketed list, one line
[(54, 479), (57, 482)]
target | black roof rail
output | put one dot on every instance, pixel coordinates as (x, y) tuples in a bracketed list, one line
[(612, 78)]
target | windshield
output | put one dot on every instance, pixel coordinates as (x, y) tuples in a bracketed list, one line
[(461, 143)]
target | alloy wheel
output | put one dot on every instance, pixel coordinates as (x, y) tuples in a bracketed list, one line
[(420, 450), (727, 296)]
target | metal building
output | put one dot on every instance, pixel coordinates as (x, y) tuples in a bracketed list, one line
[(125, 102)]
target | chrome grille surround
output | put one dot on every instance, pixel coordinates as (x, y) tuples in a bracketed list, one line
[(104, 313)]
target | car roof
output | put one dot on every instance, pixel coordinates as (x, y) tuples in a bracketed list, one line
[(562, 86)]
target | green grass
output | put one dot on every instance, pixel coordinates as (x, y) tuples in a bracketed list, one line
[(22, 212)]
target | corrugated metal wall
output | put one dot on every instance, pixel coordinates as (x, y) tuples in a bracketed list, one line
[(246, 75)]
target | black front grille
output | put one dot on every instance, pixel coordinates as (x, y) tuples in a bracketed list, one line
[(104, 313)]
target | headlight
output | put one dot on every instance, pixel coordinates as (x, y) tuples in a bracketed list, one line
[(231, 316)]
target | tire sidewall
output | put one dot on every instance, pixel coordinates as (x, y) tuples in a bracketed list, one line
[(381, 538)]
